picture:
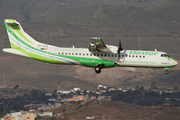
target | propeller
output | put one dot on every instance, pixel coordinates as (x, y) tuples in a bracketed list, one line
[(119, 48)]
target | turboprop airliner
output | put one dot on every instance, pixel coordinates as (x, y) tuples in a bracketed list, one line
[(97, 55)]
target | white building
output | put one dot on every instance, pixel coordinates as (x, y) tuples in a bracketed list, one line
[(50, 114), (17, 115), (77, 89), (101, 86), (48, 94), (63, 92)]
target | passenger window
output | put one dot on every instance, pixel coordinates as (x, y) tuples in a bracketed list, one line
[(115, 55), (66, 53), (62, 53), (87, 54), (97, 54), (161, 55), (126, 55), (101, 55), (59, 53), (129, 55), (90, 54), (94, 54), (143, 56), (136, 56), (72, 53), (139, 56), (69, 53), (165, 55), (76, 54), (83, 54), (108, 55), (133, 56), (112, 56), (104, 55)]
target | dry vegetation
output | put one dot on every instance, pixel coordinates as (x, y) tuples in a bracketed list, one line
[(118, 111)]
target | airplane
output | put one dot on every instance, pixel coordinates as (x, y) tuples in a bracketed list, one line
[(97, 55)]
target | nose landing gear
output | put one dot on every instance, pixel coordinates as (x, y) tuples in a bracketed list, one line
[(166, 70)]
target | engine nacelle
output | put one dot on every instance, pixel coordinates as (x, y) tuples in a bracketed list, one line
[(96, 62), (112, 48), (92, 47)]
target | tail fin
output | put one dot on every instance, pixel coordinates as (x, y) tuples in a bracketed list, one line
[(17, 35)]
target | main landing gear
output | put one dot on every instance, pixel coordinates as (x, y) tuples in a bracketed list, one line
[(98, 69)]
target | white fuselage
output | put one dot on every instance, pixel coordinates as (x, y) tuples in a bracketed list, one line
[(128, 58), (97, 55)]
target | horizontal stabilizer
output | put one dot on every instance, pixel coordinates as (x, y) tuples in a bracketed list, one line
[(13, 51), (12, 22)]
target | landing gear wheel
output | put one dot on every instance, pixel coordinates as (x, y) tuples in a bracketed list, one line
[(98, 69), (166, 71)]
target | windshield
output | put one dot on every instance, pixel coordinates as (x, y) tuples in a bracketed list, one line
[(165, 55)]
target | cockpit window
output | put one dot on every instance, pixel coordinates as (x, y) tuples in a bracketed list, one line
[(165, 55)]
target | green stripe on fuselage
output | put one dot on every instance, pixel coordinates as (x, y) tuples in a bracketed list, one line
[(39, 57), (51, 60)]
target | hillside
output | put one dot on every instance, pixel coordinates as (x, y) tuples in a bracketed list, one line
[(103, 110), (116, 18), (168, 10), (32, 10), (120, 19), (32, 74), (75, 26)]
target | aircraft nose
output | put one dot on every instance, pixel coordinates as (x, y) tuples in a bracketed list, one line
[(176, 63)]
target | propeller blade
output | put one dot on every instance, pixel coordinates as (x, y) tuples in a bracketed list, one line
[(120, 45), (119, 48)]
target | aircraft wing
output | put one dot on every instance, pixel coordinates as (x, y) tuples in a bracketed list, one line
[(97, 45)]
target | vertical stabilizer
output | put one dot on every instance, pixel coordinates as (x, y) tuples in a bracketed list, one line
[(17, 36)]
